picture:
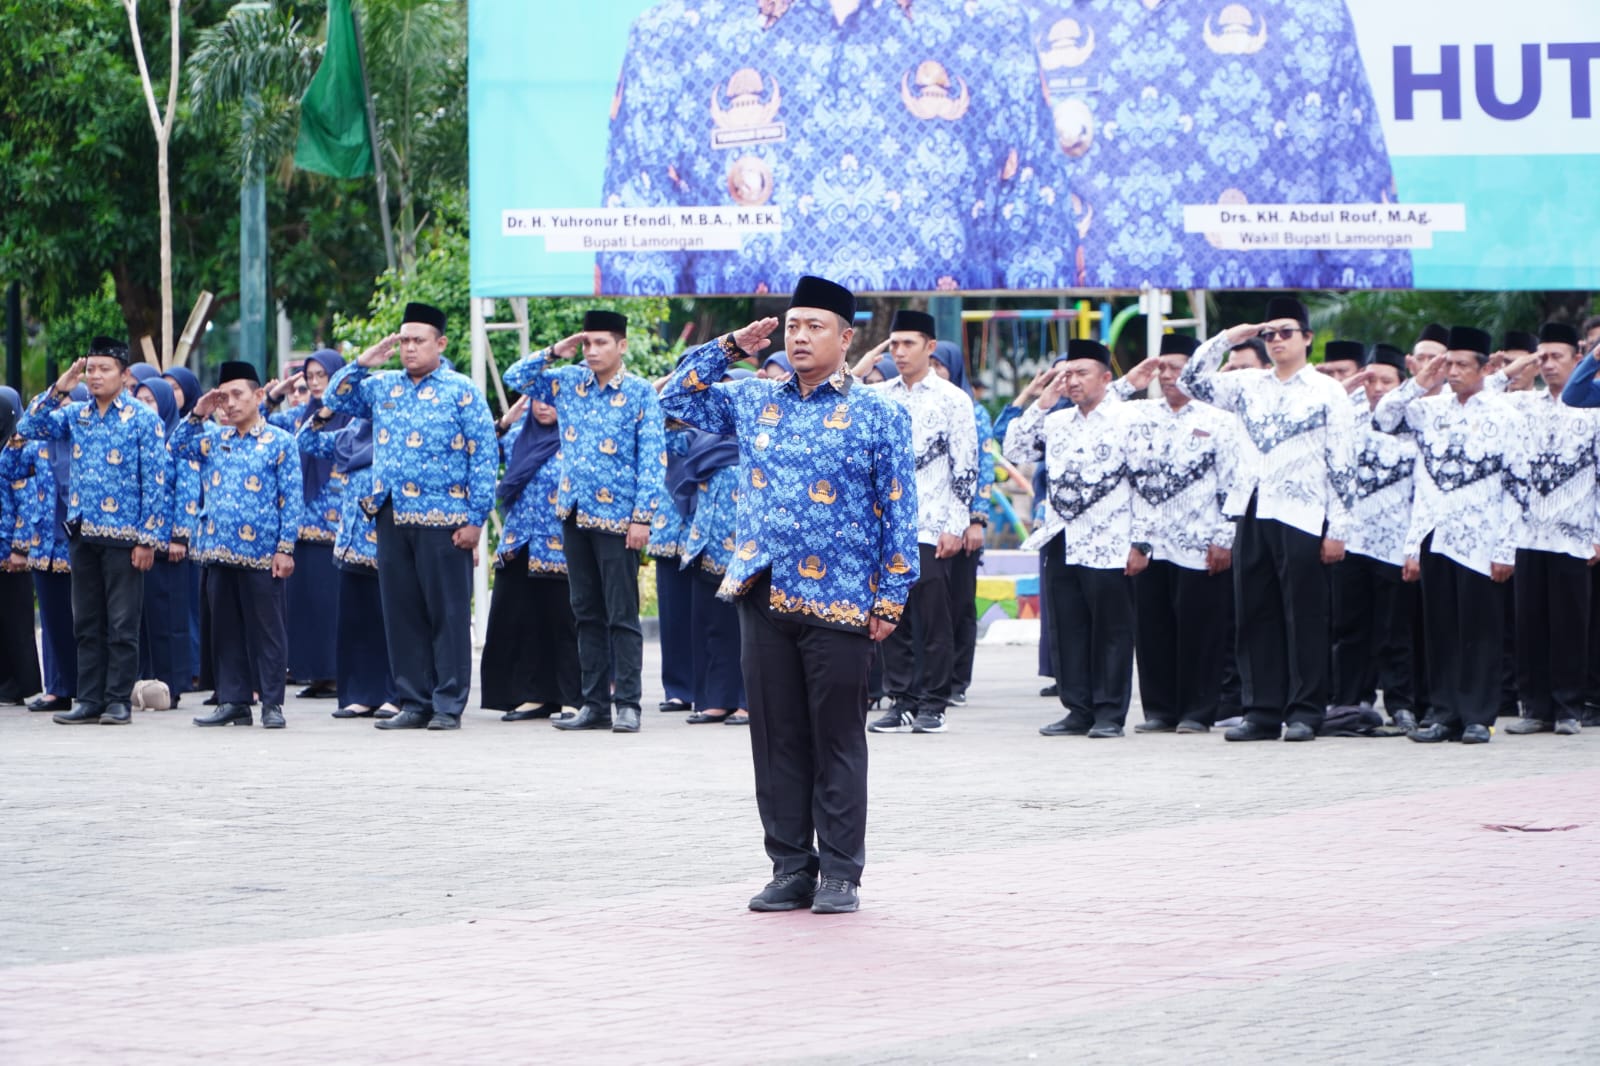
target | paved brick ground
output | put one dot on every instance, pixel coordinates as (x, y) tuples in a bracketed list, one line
[(510, 894)]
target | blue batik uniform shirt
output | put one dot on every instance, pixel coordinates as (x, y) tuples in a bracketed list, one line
[(120, 466), (434, 454), (532, 519), (827, 488), (907, 147), (1212, 102), (613, 452), (252, 491)]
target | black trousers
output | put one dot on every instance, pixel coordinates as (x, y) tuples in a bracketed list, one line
[(1510, 704), (807, 687), (603, 577), (313, 612), (164, 648), (714, 626), (1047, 633), (1464, 624), (964, 616), (55, 630), (107, 596), (1552, 639), (361, 661), (19, 654), (1094, 631), (674, 603), (426, 585), (1181, 641), (530, 652), (1371, 634), (249, 619), (918, 655), (1280, 589)]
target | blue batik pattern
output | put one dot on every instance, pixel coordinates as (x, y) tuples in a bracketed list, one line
[(613, 451), (36, 530), (120, 466), (187, 498), (534, 520), (434, 452), (355, 536), (980, 506), (252, 491), (713, 529), (668, 529), (1212, 102), (827, 488), (18, 511), (907, 148)]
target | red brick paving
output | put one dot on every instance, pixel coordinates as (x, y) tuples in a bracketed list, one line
[(960, 944)]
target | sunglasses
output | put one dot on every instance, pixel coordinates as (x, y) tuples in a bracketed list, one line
[(1270, 335)]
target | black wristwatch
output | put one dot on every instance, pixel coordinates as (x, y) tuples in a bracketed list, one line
[(1142, 547)]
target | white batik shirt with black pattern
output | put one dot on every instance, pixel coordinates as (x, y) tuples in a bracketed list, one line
[(1563, 494), (1472, 491), (1385, 479), (1090, 489), (1297, 453), (1183, 464), (944, 437)]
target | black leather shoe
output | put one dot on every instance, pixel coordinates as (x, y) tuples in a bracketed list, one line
[(544, 710), (1568, 727), (1475, 734), (1154, 725), (353, 712), (271, 716), (1101, 732), (1299, 731), (116, 714), (835, 896), (1436, 733), (586, 718), (1050, 691), (55, 703), (443, 721), (1066, 727), (786, 892), (1530, 725), (316, 692), (228, 714), (82, 714), (1189, 725), (1405, 720), (627, 720), (673, 705), (408, 718), (1248, 730)]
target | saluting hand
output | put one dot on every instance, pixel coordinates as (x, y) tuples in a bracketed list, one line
[(1357, 380), (567, 347), (869, 362), (1034, 388), (71, 376), (1431, 376), (379, 353), (1239, 334), (206, 404), (513, 414), (1142, 375), (756, 336)]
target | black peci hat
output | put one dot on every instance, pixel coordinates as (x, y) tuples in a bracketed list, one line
[(1085, 349), (1558, 333), (598, 321), (1344, 351), (1517, 340), (1469, 339), (1435, 333), (1178, 344), (1287, 307), (825, 295), (111, 347), (426, 314), (1388, 355), (914, 322), (238, 371)]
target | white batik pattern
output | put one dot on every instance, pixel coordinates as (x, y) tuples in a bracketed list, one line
[(944, 436), (1183, 464)]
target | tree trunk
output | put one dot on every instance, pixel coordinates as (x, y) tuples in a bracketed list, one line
[(162, 125)]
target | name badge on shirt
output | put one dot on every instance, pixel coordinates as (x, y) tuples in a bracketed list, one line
[(750, 115), (769, 415)]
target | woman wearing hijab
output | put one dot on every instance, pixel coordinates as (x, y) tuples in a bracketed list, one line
[(949, 364), (138, 373), (313, 590), (363, 680), (164, 650), (19, 656), (674, 588), (186, 390), (530, 652), (707, 496)]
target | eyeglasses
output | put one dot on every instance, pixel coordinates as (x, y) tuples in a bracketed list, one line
[(1270, 335)]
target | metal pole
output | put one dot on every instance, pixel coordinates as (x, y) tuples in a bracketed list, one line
[(253, 273), (14, 335), (480, 573), (372, 136)]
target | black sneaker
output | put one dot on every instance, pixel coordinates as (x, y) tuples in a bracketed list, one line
[(892, 722), (836, 896), (928, 722), (786, 892)]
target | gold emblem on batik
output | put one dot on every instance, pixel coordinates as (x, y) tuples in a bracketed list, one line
[(1066, 45), (750, 116), (931, 98), (1238, 32)]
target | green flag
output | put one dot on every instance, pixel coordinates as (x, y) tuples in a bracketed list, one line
[(333, 113)]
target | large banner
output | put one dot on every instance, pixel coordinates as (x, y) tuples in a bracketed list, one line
[(728, 146)]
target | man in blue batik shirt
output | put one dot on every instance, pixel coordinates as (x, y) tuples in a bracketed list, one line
[(613, 462), (434, 463), (117, 517), (246, 539), (905, 145), (1159, 104), (826, 555)]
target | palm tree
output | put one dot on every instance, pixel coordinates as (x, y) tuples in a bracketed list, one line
[(246, 77), (1397, 316)]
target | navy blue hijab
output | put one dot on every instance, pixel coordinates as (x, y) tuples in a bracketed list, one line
[(10, 412), (186, 380), (705, 454), (166, 401), (353, 450), (315, 470), (532, 449)]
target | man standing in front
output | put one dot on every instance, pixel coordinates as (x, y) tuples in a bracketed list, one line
[(247, 534), (434, 462), (1466, 522), (1298, 476), (613, 463), (820, 572), (1090, 532), (117, 517), (919, 656)]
